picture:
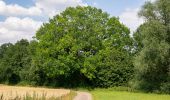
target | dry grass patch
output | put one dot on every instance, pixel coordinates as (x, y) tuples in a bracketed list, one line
[(30, 93)]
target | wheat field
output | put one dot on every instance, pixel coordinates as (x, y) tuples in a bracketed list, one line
[(12, 92)]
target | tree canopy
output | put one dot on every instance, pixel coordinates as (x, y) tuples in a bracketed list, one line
[(84, 42), (152, 63)]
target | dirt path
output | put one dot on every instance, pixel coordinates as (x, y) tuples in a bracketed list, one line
[(83, 96)]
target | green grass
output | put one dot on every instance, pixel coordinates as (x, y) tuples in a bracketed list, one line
[(110, 94)]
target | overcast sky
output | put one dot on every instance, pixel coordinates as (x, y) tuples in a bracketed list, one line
[(21, 18)]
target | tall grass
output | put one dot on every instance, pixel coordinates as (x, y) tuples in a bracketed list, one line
[(1, 97), (43, 96)]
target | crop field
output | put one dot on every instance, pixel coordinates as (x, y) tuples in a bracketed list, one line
[(30, 93)]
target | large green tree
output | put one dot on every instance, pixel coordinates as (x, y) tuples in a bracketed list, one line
[(83, 45), (152, 63)]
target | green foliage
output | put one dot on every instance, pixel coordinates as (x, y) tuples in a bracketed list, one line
[(79, 47), (109, 67), (14, 62), (83, 45), (152, 62)]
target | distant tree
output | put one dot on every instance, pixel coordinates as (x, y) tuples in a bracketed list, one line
[(152, 63), (15, 58), (82, 45), (4, 53)]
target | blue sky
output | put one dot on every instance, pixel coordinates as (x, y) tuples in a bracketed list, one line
[(21, 18), (114, 7)]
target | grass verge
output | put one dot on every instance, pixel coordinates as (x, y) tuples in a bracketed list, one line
[(113, 94)]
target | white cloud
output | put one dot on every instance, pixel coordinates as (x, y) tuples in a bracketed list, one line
[(47, 7), (53, 7), (13, 29), (95, 4), (150, 0), (130, 18), (17, 10)]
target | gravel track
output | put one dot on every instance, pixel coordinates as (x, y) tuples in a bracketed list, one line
[(83, 96)]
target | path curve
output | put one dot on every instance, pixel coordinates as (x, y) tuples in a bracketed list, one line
[(83, 96)]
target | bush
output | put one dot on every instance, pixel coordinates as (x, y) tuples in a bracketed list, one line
[(165, 87)]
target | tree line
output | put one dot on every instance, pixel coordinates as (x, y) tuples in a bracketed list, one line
[(84, 46)]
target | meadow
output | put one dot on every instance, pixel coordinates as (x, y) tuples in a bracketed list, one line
[(110, 94)]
